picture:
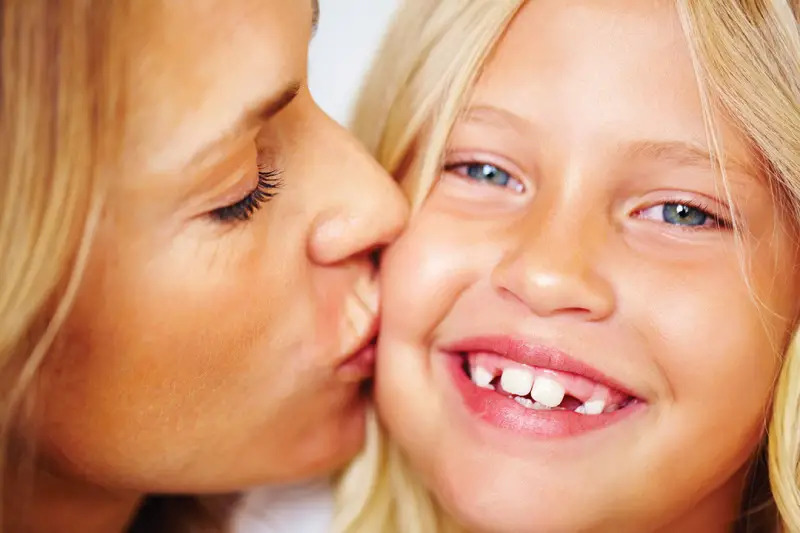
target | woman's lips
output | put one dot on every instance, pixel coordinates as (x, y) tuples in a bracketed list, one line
[(359, 366), (360, 324), (523, 415)]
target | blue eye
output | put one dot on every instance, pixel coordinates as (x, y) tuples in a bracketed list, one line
[(490, 173), (486, 173), (682, 214)]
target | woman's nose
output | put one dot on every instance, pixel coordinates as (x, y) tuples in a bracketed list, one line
[(365, 209)]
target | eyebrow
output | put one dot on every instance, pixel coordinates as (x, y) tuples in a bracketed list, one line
[(685, 154), (269, 107), (253, 116), (495, 116), (681, 153)]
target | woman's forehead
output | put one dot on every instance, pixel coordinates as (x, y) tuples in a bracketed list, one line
[(202, 64)]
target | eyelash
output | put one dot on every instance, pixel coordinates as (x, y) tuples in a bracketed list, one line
[(268, 186), (718, 222)]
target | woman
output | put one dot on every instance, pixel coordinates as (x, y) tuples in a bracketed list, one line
[(584, 322), (187, 293)]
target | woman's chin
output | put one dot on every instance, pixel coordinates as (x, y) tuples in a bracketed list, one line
[(270, 459), (330, 449), (317, 453)]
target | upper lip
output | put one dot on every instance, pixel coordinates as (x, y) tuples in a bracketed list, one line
[(537, 355)]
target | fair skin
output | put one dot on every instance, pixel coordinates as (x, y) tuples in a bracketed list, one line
[(211, 347), (578, 227)]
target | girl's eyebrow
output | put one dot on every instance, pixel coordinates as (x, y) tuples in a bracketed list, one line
[(496, 116), (682, 153)]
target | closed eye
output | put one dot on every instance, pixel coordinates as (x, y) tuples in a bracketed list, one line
[(243, 210)]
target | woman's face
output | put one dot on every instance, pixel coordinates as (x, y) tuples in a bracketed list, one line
[(212, 343), (569, 342)]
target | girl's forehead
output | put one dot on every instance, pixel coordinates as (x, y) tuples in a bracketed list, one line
[(556, 59), (611, 75)]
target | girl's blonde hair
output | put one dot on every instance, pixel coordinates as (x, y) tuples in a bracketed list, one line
[(61, 79), (747, 60)]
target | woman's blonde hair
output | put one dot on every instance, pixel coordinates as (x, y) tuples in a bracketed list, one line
[(747, 60), (61, 79)]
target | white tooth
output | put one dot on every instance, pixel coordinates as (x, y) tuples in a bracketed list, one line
[(482, 377), (540, 406), (525, 402), (581, 409), (547, 391), (594, 407), (517, 381)]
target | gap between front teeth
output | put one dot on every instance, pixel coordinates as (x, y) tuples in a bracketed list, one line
[(545, 393)]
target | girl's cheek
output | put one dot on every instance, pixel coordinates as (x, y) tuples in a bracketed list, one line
[(422, 275)]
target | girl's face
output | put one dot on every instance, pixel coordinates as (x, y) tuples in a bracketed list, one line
[(211, 346), (569, 340)]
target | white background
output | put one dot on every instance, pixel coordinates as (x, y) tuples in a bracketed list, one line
[(349, 34)]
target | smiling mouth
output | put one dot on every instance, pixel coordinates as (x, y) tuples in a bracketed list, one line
[(535, 390), (542, 389)]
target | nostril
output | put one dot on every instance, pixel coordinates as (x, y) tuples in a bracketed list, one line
[(375, 257), (534, 279)]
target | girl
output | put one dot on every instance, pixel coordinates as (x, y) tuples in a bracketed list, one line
[(186, 294), (586, 318)]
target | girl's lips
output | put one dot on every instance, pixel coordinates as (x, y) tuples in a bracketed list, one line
[(503, 412), (500, 410), (536, 356)]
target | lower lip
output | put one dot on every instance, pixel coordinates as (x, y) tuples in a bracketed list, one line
[(359, 367), (503, 412)]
